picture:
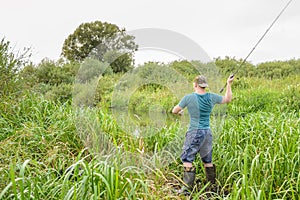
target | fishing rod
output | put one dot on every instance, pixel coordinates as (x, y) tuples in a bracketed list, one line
[(261, 38)]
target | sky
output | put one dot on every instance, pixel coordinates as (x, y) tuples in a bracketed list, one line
[(221, 28)]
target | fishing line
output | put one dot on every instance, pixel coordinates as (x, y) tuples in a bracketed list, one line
[(261, 38)]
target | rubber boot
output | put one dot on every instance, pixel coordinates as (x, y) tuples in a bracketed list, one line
[(210, 174), (188, 179), (211, 178)]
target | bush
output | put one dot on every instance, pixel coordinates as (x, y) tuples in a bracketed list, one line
[(55, 73), (91, 69), (10, 65), (60, 93)]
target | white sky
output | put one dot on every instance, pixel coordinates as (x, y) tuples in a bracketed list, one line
[(221, 28)]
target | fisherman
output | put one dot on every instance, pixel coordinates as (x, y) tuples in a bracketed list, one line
[(198, 138)]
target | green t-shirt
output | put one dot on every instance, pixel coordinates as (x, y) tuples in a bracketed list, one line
[(199, 107)]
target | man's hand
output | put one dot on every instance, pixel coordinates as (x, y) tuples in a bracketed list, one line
[(228, 95), (177, 110), (230, 79), (180, 113)]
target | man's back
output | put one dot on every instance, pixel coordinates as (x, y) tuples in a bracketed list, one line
[(199, 107)]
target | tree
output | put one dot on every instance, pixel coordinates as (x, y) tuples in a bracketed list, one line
[(10, 65), (97, 39), (119, 62)]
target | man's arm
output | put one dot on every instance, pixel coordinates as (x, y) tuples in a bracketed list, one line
[(228, 94)]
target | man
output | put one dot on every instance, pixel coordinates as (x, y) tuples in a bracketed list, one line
[(199, 137)]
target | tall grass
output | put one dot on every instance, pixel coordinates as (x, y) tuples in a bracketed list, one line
[(46, 154), (259, 155)]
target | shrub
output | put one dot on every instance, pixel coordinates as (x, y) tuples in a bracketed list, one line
[(10, 65)]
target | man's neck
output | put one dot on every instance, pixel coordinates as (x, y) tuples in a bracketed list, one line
[(200, 91)]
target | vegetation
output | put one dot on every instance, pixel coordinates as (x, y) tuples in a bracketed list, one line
[(103, 41), (10, 64), (268, 70), (62, 135)]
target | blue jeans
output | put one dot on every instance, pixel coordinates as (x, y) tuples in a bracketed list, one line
[(197, 141)]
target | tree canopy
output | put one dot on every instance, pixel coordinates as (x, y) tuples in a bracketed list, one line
[(98, 40)]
